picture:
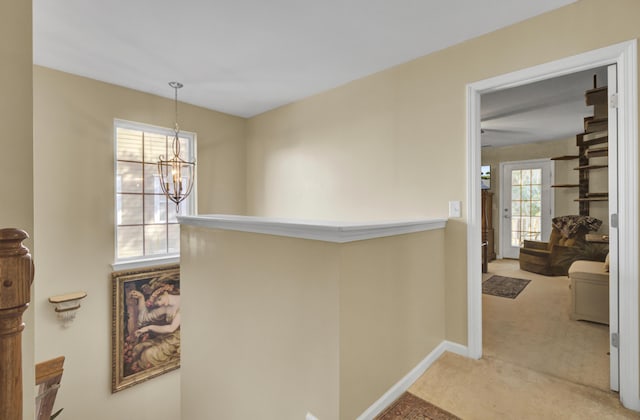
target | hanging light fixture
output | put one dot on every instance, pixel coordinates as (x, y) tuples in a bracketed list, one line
[(176, 174)]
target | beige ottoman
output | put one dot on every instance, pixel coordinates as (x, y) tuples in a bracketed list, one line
[(589, 291)]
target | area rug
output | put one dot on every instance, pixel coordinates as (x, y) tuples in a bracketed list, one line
[(410, 407), (507, 287)]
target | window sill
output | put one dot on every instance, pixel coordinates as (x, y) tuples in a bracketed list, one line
[(146, 262)]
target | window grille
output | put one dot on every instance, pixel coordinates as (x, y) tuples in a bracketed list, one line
[(146, 221)]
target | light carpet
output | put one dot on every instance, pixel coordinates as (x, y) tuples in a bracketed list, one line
[(535, 331), (493, 389), (537, 363)]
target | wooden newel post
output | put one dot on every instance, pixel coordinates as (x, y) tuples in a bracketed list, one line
[(16, 275)]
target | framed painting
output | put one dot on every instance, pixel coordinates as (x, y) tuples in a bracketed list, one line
[(146, 324)]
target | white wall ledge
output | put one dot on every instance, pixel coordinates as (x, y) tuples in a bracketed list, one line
[(338, 232)]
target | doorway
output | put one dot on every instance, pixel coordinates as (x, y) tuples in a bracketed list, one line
[(626, 221), (534, 330)]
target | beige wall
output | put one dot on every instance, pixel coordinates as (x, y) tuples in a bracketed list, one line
[(391, 313), (260, 333), (393, 144), (277, 327), (16, 163), (564, 174), (387, 146), (74, 221), (16, 111)]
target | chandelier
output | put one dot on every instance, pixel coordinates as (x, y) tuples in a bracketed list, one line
[(176, 174)]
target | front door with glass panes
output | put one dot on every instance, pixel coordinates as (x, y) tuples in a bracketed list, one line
[(526, 204)]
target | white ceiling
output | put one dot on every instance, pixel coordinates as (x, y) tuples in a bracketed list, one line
[(245, 57), (547, 110)]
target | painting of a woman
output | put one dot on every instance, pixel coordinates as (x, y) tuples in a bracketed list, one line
[(158, 333), (148, 328)]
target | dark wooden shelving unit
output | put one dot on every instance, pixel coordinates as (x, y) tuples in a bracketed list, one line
[(596, 96), (594, 196), (565, 186), (591, 167), (597, 152), (591, 139), (565, 157), (487, 224), (589, 199), (595, 134)]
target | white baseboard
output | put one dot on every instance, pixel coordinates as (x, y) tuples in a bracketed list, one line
[(403, 384)]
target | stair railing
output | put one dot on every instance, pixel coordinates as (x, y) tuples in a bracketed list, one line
[(16, 276)]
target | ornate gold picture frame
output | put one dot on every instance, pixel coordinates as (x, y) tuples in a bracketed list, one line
[(146, 324)]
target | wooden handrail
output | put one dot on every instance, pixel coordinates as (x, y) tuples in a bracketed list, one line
[(48, 377), (16, 276)]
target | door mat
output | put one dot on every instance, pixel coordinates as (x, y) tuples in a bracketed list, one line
[(410, 407), (507, 287)]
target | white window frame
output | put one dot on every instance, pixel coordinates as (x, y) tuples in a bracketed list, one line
[(189, 204)]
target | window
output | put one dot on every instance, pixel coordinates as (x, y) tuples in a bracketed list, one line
[(146, 222)]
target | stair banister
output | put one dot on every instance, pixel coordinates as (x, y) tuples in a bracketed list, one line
[(16, 276)]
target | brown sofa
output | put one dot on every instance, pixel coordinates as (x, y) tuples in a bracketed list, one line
[(554, 258)]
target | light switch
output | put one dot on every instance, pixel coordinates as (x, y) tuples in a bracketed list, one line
[(454, 209)]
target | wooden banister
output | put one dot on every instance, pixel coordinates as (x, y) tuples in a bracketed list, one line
[(48, 377), (16, 276)]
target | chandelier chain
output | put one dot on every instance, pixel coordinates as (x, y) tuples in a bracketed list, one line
[(176, 107), (175, 144)]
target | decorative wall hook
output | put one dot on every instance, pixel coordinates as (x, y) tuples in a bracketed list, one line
[(67, 305)]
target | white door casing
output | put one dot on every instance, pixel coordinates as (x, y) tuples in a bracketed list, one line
[(614, 357), (625, 56)]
